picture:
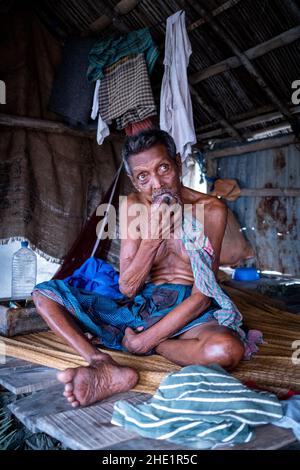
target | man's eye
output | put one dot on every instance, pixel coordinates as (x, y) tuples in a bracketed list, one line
[(142, 176), (164, 167)]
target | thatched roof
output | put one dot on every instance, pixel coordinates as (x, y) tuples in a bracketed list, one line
[(246, 54)]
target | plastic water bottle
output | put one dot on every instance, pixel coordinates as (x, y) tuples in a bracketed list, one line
[(23, 272)]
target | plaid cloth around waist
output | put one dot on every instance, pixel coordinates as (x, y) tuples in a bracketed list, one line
[(125, 92)]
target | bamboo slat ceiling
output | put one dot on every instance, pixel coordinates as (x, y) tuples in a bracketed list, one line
[(246, 54)]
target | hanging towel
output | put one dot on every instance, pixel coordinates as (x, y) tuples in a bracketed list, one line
[(200, 407), (107, 51), (176, 113)]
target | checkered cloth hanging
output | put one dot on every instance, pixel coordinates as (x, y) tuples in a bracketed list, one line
[(125, 93)]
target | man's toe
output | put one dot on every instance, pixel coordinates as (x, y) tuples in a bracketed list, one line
[(66, 376), (69, 388)]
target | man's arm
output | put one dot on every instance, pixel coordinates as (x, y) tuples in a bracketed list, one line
[(137, 255), (136, 260)]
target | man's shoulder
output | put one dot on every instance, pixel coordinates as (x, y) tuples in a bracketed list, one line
[(211, 203), (215, 205), (215, 216)]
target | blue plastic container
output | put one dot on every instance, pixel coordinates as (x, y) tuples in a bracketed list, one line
[(246, 274)]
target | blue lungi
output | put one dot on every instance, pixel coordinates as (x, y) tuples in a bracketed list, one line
[(108, 318)]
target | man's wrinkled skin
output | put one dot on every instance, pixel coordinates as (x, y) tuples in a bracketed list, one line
[(158, 260)]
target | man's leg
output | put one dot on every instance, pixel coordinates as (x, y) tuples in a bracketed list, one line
[(204, 344), (84, 385)]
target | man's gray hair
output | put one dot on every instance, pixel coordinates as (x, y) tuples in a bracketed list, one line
[(144, 140)]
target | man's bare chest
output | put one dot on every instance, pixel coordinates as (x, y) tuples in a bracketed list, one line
[(172, 251)]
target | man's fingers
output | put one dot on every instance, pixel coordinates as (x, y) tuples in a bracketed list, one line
[(129, 331)]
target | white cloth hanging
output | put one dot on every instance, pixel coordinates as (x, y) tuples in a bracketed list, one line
[(102, 127), (176, 112)]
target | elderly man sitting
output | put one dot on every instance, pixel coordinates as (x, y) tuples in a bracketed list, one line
[(162, 310)]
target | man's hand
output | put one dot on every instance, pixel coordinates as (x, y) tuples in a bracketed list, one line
[(136, 343), (161, 221)]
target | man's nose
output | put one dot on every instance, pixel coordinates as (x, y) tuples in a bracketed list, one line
[(156, 182)]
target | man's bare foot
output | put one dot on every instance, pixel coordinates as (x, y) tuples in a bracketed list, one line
[(103, 378)]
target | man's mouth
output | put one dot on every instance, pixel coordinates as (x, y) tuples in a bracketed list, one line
[(166, 195)]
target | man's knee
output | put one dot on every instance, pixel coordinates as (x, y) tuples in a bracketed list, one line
[(224, 349), (36, 298), (39, 301)]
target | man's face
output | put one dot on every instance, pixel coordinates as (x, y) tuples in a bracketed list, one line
[(153, 171)]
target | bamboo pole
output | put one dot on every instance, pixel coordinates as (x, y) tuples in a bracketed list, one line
[(262, 144), (281, 40), (241, 124), (43, 125)]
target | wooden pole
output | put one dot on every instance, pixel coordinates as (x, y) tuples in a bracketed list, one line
[(269, 192), (217, 11), (240, 117), (113, 15), (249, 122), (262, 144), (281, 40), (43, 125), (259, 134)]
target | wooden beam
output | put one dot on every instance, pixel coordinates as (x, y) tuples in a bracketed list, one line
[(261, 133), (43, 125), (270, 192), (257, 134), (248, 122), (281, 40), (239, 117), (217, 11), (263, 144), (215, 133), (113, 15), (252, 69)]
